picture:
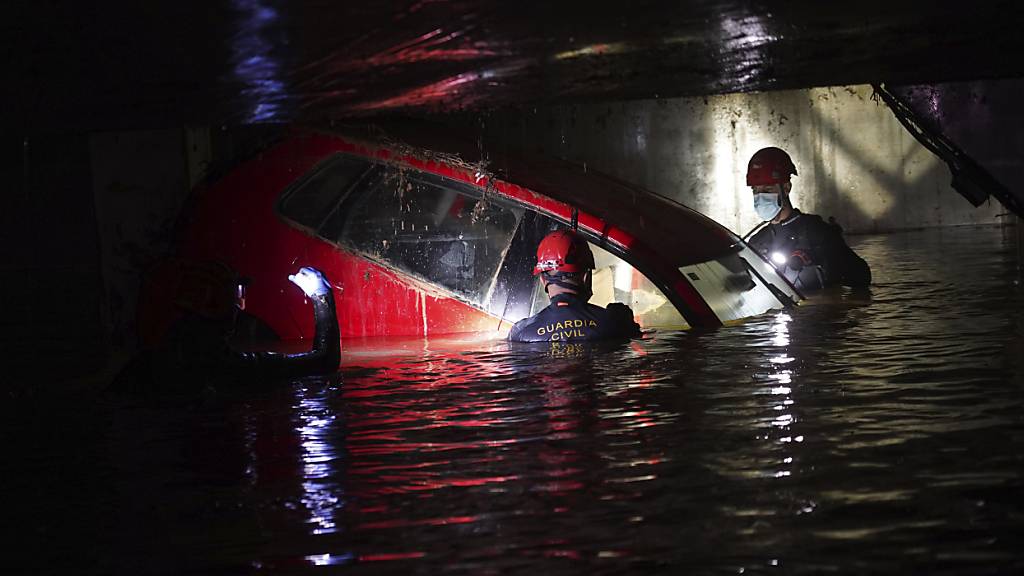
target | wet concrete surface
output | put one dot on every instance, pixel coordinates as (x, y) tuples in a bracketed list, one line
[(858, 433)]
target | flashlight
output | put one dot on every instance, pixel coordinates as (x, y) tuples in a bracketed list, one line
[(795, 261)]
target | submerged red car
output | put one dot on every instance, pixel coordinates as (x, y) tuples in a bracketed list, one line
[(419, 237)]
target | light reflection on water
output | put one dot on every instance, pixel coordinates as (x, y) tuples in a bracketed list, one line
[(857, 433), (322, 496)]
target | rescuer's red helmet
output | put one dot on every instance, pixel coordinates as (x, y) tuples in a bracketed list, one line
[(563, 251), (769, 166)]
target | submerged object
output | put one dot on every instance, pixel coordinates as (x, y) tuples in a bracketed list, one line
[(421, 236)]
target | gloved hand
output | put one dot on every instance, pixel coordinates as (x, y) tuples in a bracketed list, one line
[(799, 259), (311, 281)]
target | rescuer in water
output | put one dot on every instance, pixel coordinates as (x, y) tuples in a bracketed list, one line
[(197, 349), (810, 252), (564, 263)]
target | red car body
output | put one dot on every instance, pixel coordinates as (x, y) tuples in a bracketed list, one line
[(241, 222)]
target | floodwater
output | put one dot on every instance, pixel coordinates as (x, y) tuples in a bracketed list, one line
[(856, 434)]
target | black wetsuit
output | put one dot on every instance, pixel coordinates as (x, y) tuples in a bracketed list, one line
[(569, 319), (323, 356), (196, 352), (816, 254)]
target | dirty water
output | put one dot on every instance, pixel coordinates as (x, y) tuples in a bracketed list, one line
[(857, 434)]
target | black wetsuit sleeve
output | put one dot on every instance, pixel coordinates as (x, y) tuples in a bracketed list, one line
[(323, 356), (840, 263)]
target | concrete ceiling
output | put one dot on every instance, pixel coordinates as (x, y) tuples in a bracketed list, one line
[(118, 65)]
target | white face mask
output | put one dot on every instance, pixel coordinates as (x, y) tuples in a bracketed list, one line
[(767, 205)]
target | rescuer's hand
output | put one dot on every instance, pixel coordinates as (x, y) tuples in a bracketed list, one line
[(799, 259), (623, 316), (311, 281)]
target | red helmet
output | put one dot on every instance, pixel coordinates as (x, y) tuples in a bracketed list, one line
[(769, 166), (563, 251)]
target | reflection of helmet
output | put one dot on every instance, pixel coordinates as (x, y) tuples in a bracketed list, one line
[(563, 251), (769, 166)]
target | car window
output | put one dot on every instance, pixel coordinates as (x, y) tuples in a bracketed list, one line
[(615, 280), (450, 233), (447, 232), (513, 295), (314, 198)]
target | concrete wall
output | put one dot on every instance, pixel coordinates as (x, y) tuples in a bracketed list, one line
[(855, 161)]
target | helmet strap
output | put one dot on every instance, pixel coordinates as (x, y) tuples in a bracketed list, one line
[(581, 285)]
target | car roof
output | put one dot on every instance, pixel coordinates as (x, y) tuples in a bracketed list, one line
[(677, 234)]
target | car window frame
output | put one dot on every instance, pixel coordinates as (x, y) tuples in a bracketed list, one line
[(365, 183), (375, 169), (312, 174), (602, 241)]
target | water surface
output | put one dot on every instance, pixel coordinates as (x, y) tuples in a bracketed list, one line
[(877, 432)]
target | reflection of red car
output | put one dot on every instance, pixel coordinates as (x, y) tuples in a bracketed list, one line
[(417, 241)]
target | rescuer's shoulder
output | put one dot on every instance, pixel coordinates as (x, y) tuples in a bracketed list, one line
[(820, 230), (814, 221), (762, 236), (520, 331), (517, 329)]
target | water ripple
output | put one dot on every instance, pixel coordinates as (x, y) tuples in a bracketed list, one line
[(858, 433)]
